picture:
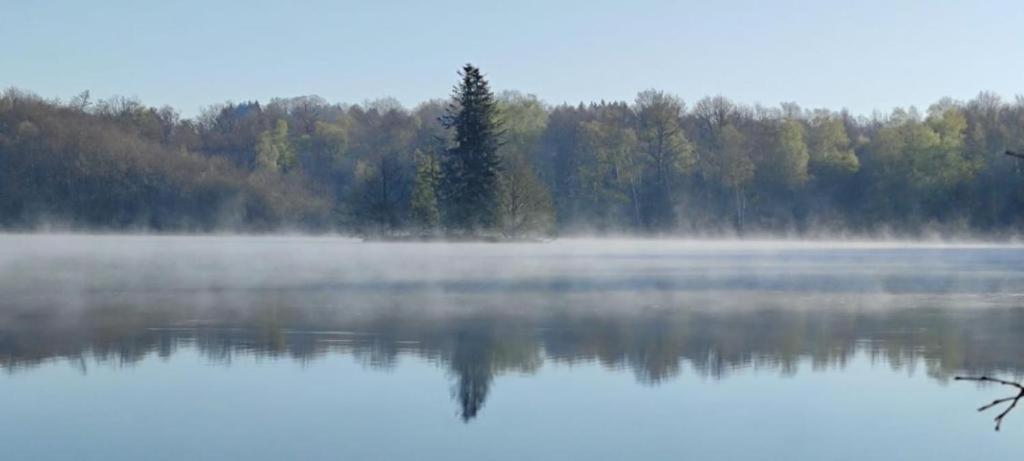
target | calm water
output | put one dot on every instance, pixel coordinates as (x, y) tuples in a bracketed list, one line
[(276, 348)]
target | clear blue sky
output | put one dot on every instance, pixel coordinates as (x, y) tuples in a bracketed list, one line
[(862, 55)]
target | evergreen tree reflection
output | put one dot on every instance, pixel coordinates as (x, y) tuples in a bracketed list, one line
[(476, 349)]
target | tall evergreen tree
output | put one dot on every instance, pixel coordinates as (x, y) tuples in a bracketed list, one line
[(471, 165)]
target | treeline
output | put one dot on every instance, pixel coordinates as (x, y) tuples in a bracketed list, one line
[(650, 166), (119, 165), (656, 165)]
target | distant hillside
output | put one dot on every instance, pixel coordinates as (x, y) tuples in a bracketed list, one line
[(106, 169), (652, 166)]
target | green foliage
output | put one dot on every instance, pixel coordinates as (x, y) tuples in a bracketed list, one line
[(425, 209), (611, 174), (830, 153), (511, 165), (525, 205), (321, 155), (668, 155), (921, 165), (381, 149), (523, 119), (830, 150), (790, 156), (734, 167), (274, 151), (471, 166), (64, 167)]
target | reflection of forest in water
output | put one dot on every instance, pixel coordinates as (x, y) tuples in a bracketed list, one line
[(476, 346)]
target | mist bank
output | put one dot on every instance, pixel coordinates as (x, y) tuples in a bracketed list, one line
[(479, 311), (649, 167), (67, 273)]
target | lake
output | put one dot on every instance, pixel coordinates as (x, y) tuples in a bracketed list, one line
[(289, 347)]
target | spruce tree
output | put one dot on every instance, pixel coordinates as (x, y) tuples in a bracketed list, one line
[(471, 165)]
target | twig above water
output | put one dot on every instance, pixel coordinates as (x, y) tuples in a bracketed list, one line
[(1012, 399)]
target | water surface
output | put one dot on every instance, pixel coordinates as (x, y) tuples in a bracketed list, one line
[(144, 347)]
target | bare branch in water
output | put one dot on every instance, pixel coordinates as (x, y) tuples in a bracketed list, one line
[(1012, 399)]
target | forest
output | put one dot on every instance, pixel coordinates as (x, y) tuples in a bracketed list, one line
[(509, 165)]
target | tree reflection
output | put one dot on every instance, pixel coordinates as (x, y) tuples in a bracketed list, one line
[(477, 346), (471, 364)]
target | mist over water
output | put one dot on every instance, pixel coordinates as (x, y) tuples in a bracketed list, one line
[(481, 317), (65, 272), (74, 286)]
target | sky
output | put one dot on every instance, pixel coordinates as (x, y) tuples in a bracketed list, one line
[(864, 56)]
